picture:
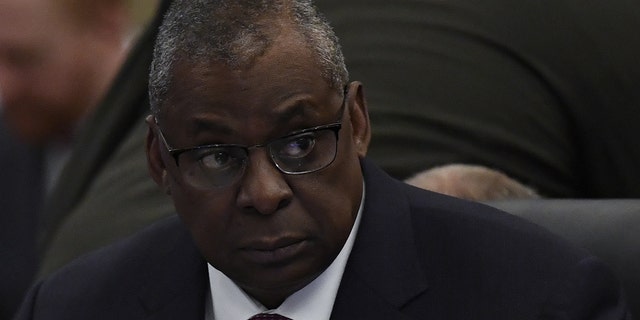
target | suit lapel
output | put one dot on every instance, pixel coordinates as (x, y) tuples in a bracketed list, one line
[(383, 272), (359, 299)]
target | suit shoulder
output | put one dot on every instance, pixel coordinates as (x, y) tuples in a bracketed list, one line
[(112, 278), (482, 227)]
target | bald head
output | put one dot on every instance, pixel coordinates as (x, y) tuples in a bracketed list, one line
[(471, 182)]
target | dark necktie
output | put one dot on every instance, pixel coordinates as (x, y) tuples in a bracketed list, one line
[(268, 316)]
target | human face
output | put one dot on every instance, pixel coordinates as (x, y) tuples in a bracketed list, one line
[(271, 232), (45, 69)]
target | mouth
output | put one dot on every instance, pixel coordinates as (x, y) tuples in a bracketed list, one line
[(274, 252)]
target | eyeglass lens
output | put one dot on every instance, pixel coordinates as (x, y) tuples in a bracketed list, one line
[(218, 166)]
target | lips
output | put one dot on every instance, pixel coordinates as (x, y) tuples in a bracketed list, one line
[(273, 251)]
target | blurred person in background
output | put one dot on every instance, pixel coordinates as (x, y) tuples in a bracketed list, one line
[(57, 60), (104, 192)]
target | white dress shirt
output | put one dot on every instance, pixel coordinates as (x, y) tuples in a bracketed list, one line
[(313, 302)]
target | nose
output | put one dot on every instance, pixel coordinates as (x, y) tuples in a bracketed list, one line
[(263, 188)]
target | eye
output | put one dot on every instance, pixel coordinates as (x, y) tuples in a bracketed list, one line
[(216, 158), (297, 146)]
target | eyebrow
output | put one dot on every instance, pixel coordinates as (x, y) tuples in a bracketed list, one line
[(299, 109), (204, 125), (201, 125)]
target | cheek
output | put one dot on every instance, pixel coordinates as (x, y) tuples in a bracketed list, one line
[(206, 215), (63, 81), (33, 129), (66, 74), (344, 178), (198, 209), (332, 198), (346, 185)]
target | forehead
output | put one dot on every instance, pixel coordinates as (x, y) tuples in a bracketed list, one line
[(280, 91), (288, 67), (21, 20), (25, 12)]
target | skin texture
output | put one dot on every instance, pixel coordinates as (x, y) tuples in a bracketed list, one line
[(271, 233), (53, 70)]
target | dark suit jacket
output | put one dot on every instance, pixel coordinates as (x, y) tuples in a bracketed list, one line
[(418, 255), (20, 195)]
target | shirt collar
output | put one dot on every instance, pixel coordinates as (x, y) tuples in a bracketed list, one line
[(313, 302)]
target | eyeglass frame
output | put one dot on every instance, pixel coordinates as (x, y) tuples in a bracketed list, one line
[(334, 127)]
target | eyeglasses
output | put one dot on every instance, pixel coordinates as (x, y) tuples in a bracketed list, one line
[(220, 165)]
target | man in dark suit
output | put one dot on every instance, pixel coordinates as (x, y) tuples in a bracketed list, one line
[(438, 94), (260, 140)]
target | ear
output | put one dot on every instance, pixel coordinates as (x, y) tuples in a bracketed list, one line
[(359, 117), (157, 168)]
